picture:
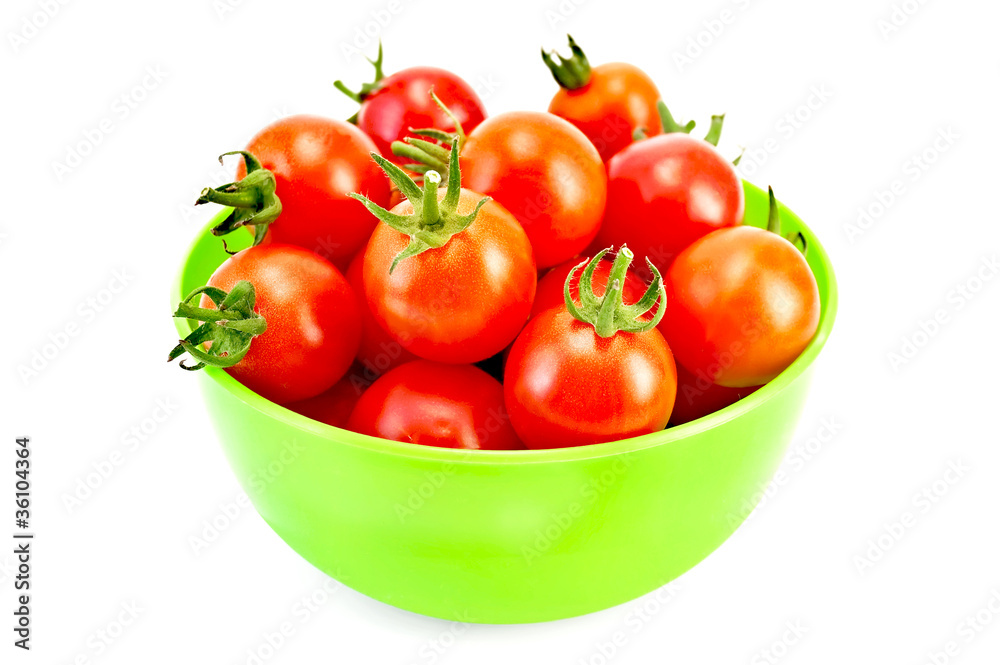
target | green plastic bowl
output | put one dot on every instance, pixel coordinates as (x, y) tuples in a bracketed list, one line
[(508, 536)]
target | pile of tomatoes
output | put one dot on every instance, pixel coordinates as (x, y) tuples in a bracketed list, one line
[(426, 273)]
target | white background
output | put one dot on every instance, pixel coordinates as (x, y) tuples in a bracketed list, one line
[(879, 98)]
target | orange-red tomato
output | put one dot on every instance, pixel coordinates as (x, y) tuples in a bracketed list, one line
[(313, 322), (546, 173), (460, 303), (566, 386), (402, 101), (618, 99), (434, 404), (743, 304), (664, 193), (316, 163)]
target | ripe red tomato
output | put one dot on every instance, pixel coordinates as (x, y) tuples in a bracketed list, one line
[(378, 352), (393, 104), (607, 102), (546, 173), (579, 378), (550, 286), (743, 305), (335, 405), (566, 386), (434, 404), (316, 163), (664, 193), (313, 323), (449, 274), (698, 397), (460, 303)]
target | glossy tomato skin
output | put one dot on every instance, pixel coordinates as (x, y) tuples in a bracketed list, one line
[(334, 406), (313, 323), (546, 173), (316, 163), (403, 100), (434, 404), (698, 397), (378, 352), (460, 303), (566, 386), (550, 287), (743, 305), (618, 99), (664, 193)]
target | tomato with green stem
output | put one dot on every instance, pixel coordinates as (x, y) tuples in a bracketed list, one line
[(391, 105), (609, 103), (311, 324), (449, 274), (666, 191), (436, 404), (596, 372), (310, 165), (744, 304)]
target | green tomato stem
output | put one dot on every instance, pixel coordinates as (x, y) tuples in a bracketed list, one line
[(608, 313), (433, 223), (254, 200), (230, 327), (570, 73)]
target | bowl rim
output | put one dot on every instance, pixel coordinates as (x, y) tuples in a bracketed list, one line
[(338, 435)]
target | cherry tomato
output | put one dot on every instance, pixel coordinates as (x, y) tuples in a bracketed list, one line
[(316, 163), (550, 286), (743, 305), (335, 405), (546, 173), (571, 382), (393, 104), (664, 193), (449, 273), (608, 102), (698, 397), (434, 404), (378, 352), (460, 303), (313, 323)]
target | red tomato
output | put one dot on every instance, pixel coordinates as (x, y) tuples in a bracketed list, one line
[(433, 404), (378, 352), (743, 305), (546, 173), (594, 371), (607, 103), (550, 287), (664, 193), (392, 105), (566, 386), (460, 303), (335, 405), (316, 163), (313, 323), (697, 397)]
